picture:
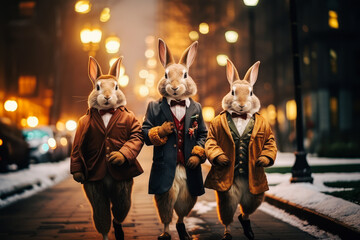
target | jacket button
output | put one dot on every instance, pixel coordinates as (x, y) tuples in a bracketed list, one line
[(107, 148), (241, 162), (241, 147)]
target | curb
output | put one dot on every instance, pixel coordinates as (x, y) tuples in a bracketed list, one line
[(314, 218)]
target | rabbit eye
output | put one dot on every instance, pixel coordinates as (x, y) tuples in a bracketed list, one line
[(98, 87), (116, 87), (232, 92), (185, 75), (166, 75), (250, 93)]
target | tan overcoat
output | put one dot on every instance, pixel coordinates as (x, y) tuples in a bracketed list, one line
[(219, 141)]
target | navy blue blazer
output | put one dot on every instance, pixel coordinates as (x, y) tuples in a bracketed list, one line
[(164, 157)]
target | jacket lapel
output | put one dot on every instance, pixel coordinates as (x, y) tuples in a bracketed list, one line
[(232, 125), (225, 125), (166, 110), (191, 111), (114, 119), (95, 115)]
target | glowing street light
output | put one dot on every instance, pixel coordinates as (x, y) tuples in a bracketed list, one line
[(112, 44), (90, 39), (291, 110), (71, 125), (32, 121), (105, 15), (60, 126), (194, 35), (10, 105), (251, 3), (221, 59), (124, 80), (204, 28), (82, 7), (231, 36)]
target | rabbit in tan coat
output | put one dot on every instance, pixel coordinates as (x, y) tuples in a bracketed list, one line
[(239, 145), (175, 126)]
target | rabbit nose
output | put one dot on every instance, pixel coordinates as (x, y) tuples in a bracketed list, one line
[(176, 88), (107, 98), (241, 106)]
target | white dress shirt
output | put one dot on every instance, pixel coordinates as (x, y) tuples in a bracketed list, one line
[(177, 110), (240, 123), (106, 118)]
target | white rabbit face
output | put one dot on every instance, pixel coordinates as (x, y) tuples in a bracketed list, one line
[(242, 95), (175, 77)]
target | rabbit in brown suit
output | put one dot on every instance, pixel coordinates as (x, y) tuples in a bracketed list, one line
[(107, 142), (239, 145)]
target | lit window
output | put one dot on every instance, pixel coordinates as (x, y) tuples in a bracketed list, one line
[(333, 19)]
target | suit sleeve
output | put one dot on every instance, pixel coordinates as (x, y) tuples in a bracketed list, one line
[(212, 149), (132, 147), (269, 150), (76, 163), (198, 149)]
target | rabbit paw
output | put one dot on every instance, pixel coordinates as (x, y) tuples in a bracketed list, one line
[(193, 162), (222, 160), (262, 161), (116, 158), (79, 177)]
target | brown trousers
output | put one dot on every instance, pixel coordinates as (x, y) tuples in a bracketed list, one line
[(108, 191)]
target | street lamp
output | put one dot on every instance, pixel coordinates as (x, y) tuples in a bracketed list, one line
[(232, 37), (10, 105), (221, 59), (112, 44), (301, 171), (82, 7), (251, 4), (90, 39)]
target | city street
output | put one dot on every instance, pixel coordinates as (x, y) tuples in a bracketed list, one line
[(62, 212)]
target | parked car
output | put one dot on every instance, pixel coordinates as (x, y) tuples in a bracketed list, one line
[(13, 147), (46, 144)]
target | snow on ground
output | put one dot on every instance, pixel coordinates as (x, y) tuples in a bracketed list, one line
[(24, 183)]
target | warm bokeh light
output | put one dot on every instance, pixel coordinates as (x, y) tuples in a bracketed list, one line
[(32, 121), (10, 105), (150, 40), (143, 91), (204, 28), (1, 142), (23, 122), (291, 110), (194, 35), (63, 141), (82, 6), (52, 143), (124, 80), (221, 59), (96, 35), (280, 116), (251, 3), (87, 35), (71, 125), (149, 82), (105, 15), (231, 36), (143, 73), (151, 63), (271, 112), (333, 19), (208, 113), (149, 53), (60, 126), (112, 44)]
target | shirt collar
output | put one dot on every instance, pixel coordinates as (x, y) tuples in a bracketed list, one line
[(187, 101)]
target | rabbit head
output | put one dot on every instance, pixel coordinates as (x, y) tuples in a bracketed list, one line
[(241, 98), (176, 82), (106, 93)]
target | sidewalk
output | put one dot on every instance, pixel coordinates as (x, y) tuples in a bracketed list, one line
[(62, 212)]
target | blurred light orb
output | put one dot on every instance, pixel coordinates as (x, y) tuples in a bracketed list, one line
[(82, 7), (149, 53), (85, 35), (143, 73), (52, 143), (151, 63), (143, 91), (71, 125), (149, 82), (112, 44), (291, 110), (124, 80), (204, 28), (1, 142), (221, 59), (60, 126), (10, 105), (150, 40), (105, 15), (333, 19), (44, 148), (194, 35), (208, 113), (32, 121), (96, 35), (251, 3), (231, 36), (23, 122), (63, 141)]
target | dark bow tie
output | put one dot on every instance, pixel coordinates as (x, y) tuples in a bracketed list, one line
[(110, 110), (174, 103), (243, 115)]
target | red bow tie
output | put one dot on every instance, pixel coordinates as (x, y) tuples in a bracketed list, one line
[(174, 103), (110, 110), (243, 115)]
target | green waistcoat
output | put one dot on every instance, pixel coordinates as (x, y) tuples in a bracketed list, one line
[(241, 145)]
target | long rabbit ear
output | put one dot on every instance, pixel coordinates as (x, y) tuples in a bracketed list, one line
[(115, 68), (94, 70), (164, 54), (189, 55), (252, 74), (231, 72)]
